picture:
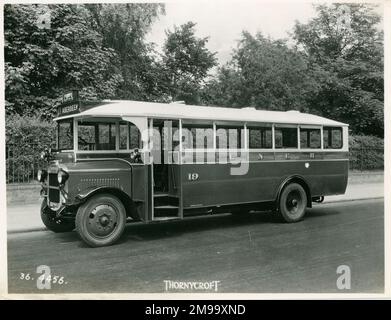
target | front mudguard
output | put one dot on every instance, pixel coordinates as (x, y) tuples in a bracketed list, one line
[(130, 206)]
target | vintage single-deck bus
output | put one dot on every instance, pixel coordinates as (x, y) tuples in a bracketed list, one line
[(122, 161)]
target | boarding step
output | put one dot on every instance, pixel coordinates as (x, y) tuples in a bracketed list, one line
[(165, 211), (165, 199), (159, 194)]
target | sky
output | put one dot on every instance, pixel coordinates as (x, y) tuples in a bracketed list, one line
[(223, 21)]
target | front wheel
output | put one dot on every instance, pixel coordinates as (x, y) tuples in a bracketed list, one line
[(53, 223), (293, 202), (101, 220)]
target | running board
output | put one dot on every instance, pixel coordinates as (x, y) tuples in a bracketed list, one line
[(166, 207), (165, 218)]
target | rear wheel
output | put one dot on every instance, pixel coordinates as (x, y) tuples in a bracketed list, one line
[(293, 203), (101, 220), (53, 223)]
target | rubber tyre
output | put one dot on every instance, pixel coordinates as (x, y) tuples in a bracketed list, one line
[(54, 224), (83, 217), (293, 202)]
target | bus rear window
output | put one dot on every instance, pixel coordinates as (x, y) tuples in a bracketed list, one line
[(65, 135), (332, 138)]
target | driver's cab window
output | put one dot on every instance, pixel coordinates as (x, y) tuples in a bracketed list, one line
[(96, 136), (129, 136), (102, 135)]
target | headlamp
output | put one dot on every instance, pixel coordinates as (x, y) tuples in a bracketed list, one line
[(62, 176), (41, 175)]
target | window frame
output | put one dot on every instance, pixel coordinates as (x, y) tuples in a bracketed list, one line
[(214, 125), (313, 127), (256, 126), (290, 126), (72, 122), (114, 121), (342, 137), (243, 135), (197, 125)]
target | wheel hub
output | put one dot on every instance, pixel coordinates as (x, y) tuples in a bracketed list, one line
[(102, 220), (292, 202)]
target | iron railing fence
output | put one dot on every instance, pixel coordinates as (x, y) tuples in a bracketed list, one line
[(22, 164)]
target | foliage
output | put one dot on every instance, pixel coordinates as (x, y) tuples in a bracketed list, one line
[(366, 152), (123, 28), (26, 137), (335, 70), (79, 50), (333, 67), (186, 62), (345, 51), (263, 73), (24, 131)]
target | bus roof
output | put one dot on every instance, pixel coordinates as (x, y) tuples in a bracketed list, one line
[(127, 108)]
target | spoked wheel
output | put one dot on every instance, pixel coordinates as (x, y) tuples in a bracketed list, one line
[(54, 223), (101, 220), (293, 202)]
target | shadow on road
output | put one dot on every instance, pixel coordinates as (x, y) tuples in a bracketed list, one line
[(162, 230)]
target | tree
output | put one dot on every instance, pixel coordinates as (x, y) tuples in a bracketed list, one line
[(345, 51), (41, 63), (263, 73), (98, 49), (186, 62), (123, 28)]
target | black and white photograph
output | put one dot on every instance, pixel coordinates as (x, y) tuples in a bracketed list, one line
[(194, 148)]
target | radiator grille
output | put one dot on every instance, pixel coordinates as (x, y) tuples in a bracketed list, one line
[(53, 182), (54, 191), (54, 195)]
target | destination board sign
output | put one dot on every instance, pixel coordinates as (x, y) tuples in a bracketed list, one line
[(70, 104), (70, 108)]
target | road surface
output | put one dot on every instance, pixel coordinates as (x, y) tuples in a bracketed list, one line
[(254, 253)]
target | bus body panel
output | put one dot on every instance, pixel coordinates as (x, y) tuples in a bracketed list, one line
[(216, 186), (85, 175)]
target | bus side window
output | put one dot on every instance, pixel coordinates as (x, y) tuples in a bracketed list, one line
[(260, 137), (197, 136), (310, 138), (228, 137), (285, 137), (332, 138)]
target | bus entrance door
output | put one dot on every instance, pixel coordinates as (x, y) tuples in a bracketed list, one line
[(165, 193)]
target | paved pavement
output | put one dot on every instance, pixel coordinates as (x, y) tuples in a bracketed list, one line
[(26, 217), (359, 191), (250, 253)]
